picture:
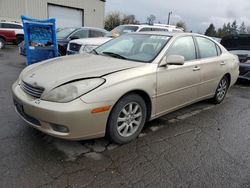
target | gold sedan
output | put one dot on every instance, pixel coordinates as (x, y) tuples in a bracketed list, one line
[(122, 84)]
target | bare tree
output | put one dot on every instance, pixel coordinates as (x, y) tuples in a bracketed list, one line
[(129, 19), (151, 19), (112, 20)]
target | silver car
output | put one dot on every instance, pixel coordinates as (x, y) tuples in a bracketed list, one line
[(123, 84)]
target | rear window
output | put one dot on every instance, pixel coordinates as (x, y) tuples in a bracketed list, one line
[(152, 29), (125, 29), (236, 42)]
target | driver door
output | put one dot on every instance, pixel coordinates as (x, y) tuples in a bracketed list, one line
[(177, 85)]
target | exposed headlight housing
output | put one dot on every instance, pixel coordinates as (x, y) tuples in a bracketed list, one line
[(87, 48), (71, 91)]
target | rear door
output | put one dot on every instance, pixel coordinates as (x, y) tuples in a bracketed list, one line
[(177, 86), (212, 66)]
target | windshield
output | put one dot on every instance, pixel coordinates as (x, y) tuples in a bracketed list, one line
[(64, 33), (236, 42), (134, 47), (122, 29)]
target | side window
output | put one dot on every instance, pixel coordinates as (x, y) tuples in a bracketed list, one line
[(159, 29), (146, 29), (95, 33), (207, 47), (11, 26), (184, 47), (80, 34)]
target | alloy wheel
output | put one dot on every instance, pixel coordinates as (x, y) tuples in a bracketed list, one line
[(129, 119), (222, 89)]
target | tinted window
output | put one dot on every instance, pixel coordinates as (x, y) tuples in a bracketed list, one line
[(95, 33), (146, 29), (184, 47), (11, 26), (238, 42), (80, 34), (207, 47), (64, 33)]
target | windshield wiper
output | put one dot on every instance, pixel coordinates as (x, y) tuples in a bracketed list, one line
[(112, 54)]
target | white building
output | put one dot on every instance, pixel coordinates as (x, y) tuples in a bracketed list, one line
[(68, 13)]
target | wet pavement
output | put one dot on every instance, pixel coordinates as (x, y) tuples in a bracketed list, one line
[(202, 145)]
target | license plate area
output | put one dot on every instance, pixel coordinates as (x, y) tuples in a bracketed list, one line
[(20, 110)]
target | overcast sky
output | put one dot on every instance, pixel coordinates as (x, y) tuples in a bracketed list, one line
[(197, 14)]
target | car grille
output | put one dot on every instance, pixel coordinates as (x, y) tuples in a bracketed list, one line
[(32, 90), (74, 47)]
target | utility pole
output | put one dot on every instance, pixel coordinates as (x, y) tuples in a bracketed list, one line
[(169, 14)]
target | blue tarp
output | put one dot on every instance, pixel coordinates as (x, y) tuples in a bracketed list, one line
[(40, 39)]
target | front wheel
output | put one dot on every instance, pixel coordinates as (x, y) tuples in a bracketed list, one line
[(127, 119), (221, 90)]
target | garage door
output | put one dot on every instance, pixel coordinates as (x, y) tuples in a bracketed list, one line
[(66, 17)]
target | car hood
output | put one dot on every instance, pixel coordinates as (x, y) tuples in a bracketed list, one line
[(52, 73)]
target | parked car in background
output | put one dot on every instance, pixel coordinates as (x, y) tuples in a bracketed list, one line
[(6, 36), (65, 35), (15, 27), (240, 46), (216, 39), (122, 84), (86, 45)]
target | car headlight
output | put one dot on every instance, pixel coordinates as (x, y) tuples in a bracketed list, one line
[(71, 91), (87, 48)]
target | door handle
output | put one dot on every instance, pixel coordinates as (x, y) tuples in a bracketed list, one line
[(196, 68), (222, 63)]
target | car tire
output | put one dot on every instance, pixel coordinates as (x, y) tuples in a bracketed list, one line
[(127, 119), (2, 43), (221, 90), (19, 39)]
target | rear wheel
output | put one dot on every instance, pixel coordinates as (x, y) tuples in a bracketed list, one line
[(221, 90), (127, 119), (2, 43)]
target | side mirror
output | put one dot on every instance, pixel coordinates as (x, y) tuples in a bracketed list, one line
[(173, 60)]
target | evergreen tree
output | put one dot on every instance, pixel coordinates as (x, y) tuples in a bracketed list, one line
[(242, 28), (181, 24), (234, 27), (211, 31)]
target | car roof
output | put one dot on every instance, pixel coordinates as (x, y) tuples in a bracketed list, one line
[(165, 33), (94, 28)]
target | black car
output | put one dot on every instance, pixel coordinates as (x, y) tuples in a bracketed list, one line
[(240, 46), (64, 36)]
